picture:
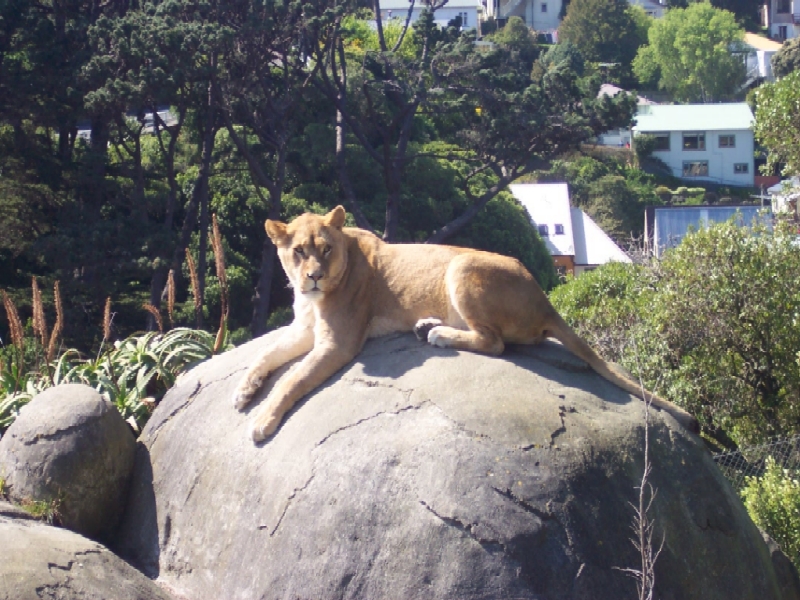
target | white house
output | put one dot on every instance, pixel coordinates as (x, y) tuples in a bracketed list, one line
[(617, 137), (758, 59), (702, 142), (575, 242), (781, 18), (539, 15), (653, 8), (784, 196), (466, 9)]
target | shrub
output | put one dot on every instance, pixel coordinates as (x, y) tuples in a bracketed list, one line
[(715, 325), (133, 374), (773, 501)]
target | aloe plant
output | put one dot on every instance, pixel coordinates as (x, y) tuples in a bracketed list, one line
[(133, 373)]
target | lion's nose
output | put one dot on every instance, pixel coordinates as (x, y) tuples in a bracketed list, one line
[(315, 276)]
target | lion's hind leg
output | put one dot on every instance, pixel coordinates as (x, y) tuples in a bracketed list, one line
[(479, 339)]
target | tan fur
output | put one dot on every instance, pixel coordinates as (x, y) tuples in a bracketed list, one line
[(349, 285)]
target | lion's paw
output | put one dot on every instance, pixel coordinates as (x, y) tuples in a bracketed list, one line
[(437, 337), (264, 425), (423, 328), (245, 391)]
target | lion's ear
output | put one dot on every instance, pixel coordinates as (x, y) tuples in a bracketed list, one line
[(336, 217), (275, 230)]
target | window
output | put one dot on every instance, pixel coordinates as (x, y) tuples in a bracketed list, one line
[(661, 141), (741, 168), (695, 168), (784, 6), (544, 7), (727, 141), (463, 16), (783, 32), (694, 141), (559, 229), (543, 231)]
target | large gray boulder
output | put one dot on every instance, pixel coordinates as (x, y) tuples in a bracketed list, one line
[(70, 448), (39, 561), (418, 472)]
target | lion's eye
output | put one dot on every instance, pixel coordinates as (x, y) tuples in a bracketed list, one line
[(326, 250), (299, 252)]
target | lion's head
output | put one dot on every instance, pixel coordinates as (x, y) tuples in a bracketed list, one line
[(312, 250)]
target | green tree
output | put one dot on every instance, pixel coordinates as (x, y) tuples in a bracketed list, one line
[(712, 327), (787, 59), (689, 54), (776, 125), (605, 31), (517, 37)]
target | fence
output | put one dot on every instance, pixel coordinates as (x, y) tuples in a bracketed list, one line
[(751, 461)]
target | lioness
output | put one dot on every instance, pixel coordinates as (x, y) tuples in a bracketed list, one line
[(349, 285)]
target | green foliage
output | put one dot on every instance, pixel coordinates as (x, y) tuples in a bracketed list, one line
[(773, 501), (133, 374), (605, 31), (518, 38), (787, 59), (713, 327), (611, 192), (776, 125), (689, 54)]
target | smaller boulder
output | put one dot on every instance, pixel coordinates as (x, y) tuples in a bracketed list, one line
[(71, 449), (39, 561)]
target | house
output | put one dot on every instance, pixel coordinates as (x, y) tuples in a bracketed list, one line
[(466, 9), (783, 197), (575, 242), (539, 15), (702, 142), (758, 57), (653, 8), (781, 18), (617, 137), (666, 226)]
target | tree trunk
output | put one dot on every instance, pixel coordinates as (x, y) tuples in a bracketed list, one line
[(263, 289)]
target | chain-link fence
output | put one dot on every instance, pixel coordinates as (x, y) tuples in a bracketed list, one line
[(751, 461)]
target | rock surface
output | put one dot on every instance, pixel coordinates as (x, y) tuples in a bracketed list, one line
[(39, 561), (419, 472), (71, 448)]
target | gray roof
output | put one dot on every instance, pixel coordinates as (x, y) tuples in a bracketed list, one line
[(694, 117)]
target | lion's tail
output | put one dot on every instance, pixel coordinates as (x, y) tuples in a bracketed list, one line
[(561, 331)]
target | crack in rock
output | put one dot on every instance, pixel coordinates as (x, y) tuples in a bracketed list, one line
[(56, 435), (370, 418), (562, 412), (526, 506), (465, 528), (291, 497), (191, 396)]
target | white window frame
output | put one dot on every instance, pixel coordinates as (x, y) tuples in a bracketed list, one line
[(701, 141), (690, 166), (741, 168)]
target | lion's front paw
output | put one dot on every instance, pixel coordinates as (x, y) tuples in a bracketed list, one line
[(264, 425), (437, 337), (423, 328), (245, 391)]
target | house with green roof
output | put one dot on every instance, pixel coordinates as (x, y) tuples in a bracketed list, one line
[(702, 142)]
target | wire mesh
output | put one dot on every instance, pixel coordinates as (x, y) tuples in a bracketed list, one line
[(751, 461)]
